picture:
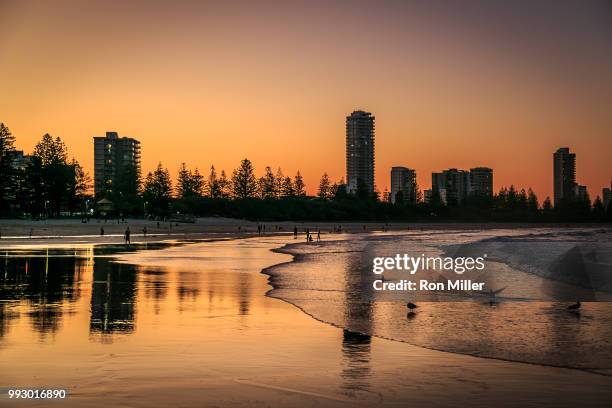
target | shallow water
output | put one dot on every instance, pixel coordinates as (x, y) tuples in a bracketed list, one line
[(191, 325), (527, 321)]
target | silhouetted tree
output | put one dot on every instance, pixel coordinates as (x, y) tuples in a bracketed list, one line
[(197, 183), (267, 185), (7, 142), (279, 179), (57, 175), (126, 190), (324, 187), (299, 188), (225, 186), (363, 192), (532, 201), (243, 180), (598, 211), (183, 182), (214, 190), (79, 187), (188, 183), (287, 188), (158, 191)]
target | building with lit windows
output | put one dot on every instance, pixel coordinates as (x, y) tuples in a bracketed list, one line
[(112, 156)]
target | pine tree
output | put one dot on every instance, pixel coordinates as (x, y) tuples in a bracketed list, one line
[(214, 190), (79, 187), (244, 182), (225, 186), (184, 186), (279, 179), (532, 201), (324, 187), (267, 185), (299, 189), (7, 147), (57, 175), (287, 188), (158, 191), (198, 184), (51, 151)]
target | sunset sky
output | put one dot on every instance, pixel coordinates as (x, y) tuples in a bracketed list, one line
[(452, 84)]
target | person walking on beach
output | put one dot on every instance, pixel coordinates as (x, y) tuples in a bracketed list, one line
[(101, 231), (318, 235), (144, 231), (127, 236), (295, 232)]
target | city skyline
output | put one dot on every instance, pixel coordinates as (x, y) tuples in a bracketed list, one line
[(477, 180), (451, 87)]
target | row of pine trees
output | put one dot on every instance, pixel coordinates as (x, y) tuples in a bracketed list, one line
[(52, 184)]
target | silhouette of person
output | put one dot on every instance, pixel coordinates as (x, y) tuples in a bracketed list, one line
[(101, 231), (144, 231), (318, 235), (295, 232), (127, 236)]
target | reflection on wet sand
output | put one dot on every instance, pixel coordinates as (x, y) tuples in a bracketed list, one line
[(358, 315), (113, 297), (192, 326)]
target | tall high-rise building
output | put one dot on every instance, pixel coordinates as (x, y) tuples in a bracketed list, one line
[(114, 157), (360, 151), (454, 183), (481, 181), (403, 179), (564, 174)]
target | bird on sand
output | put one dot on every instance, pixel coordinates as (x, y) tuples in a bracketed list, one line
[(575, 307), (411, 306)]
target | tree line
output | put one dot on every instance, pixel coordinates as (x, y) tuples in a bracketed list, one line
[(49, 184), (46, 183)]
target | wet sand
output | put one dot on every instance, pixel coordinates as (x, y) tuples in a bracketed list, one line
[(201, 332)]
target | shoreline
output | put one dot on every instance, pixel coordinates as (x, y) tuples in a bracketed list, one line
[(325, 378), (299, 258), (73, 232)]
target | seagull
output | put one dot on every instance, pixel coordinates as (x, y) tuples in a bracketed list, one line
[(575, 307), (411, 306)]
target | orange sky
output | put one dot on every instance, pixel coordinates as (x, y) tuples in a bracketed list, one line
[(485, 84)]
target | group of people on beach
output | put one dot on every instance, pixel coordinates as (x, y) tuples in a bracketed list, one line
[(309, 235)]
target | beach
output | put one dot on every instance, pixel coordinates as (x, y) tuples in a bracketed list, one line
[(73, 231), (191, 325)]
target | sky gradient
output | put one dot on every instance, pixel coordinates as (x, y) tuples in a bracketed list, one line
[(480, 83)]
